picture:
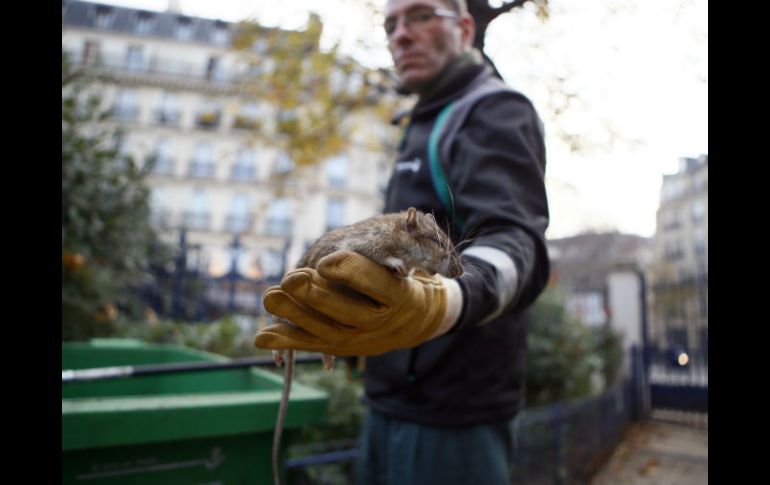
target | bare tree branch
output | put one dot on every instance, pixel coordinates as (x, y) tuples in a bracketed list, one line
[(483, 14)]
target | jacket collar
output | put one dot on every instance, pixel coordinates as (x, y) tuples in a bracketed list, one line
[(451, 83)]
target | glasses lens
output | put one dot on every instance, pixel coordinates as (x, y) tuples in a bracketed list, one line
[(416, 18)]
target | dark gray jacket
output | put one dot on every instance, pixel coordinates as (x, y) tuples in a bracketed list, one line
[(473, 374)]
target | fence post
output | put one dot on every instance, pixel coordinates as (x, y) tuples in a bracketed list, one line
[(558, 425), (233, 275), (181, 266)]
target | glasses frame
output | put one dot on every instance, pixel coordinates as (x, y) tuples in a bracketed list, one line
[(436, 12)]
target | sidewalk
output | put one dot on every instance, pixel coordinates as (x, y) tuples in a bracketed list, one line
[(666, 450)]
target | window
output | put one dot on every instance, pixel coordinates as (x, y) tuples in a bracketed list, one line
[(238, 217), (337, 172), (183, 29), (213, 69), (673, 250), (282, 164), (168, 112), (125, 106), (248, 116), (159, 207), (244, 167), (287, 121), (219, 35), (335, 213), (677, 336), (698, 210), (701, 181), (202, 163), (272, 264), (208, 114), (104, 17), (144, 23), (700, 245), (90, 52), (670, 219), (164, 164), (198, 216), (124, 156), (279, 218), (135, 59)]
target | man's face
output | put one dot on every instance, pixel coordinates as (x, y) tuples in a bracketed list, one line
[(421, 49)]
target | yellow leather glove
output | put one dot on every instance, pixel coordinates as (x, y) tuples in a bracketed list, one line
[(328, 317)]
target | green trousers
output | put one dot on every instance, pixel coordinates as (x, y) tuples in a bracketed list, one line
[(396, 452)]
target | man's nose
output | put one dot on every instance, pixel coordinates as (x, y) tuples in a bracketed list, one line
[(401, 32)]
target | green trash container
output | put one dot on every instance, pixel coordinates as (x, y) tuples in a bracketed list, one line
[(211, 427)]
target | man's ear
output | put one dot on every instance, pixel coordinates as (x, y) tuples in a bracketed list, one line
[(467, 29)]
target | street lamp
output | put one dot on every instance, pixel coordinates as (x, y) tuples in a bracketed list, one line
[(233, 276)]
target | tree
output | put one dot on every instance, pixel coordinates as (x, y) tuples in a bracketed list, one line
[(484, 13), (564, 357), (309, 96), (107, 240)]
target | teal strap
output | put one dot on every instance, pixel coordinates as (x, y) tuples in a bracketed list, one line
[(437, 174)]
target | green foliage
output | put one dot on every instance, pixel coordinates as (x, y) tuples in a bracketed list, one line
[(225, 336), (107, 240), (609, 347), (565, 357), (314, 93), (345, 410)]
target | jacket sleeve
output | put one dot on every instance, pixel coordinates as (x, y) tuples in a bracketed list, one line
[(497, 180)]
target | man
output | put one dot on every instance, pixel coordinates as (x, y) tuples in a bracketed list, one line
[(445, 357)]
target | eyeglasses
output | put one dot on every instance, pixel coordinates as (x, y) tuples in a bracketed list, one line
[(417, 19)]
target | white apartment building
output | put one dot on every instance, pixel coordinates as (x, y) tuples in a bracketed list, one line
[(679, 279), (171, 86)]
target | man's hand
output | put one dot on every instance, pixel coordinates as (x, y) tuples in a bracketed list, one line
[(351, 305)]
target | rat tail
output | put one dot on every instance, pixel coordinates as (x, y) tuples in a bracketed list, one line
[(288, 372)]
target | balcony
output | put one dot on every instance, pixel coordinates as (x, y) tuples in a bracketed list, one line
[(673, 254), (125, 112), (246, 123), (162, 166), (201, 169), (156, 66), (243, 173), (278, 227), (161, 218), (238, 222), (672, 225), (207, 120), (200, 221), (167, 117)]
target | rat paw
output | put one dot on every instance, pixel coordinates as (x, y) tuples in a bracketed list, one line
[(397, 266), (328, 361), (278, 357)]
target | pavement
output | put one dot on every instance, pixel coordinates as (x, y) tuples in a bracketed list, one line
[(670, 448)]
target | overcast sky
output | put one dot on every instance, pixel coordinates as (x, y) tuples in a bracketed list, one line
[(637, 68)]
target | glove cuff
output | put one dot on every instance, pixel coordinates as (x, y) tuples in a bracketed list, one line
[(453, 306)]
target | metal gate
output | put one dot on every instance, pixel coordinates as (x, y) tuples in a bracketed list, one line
[(678, 379)]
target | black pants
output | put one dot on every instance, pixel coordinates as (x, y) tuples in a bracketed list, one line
[(395, 452)]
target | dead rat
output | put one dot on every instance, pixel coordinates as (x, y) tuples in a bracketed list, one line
[(403, 241)]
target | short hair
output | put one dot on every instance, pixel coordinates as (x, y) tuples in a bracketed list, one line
[(459, 6)]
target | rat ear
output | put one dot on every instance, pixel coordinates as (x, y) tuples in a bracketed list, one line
[(411, 218)]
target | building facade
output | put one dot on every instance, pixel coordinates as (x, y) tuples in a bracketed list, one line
[(679, 277), (171, 83)]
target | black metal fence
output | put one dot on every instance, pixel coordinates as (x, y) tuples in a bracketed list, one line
[(678, 378), (183, 289), (564, 443)]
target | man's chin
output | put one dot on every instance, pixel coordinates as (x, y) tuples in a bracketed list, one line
[(413, 80)]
